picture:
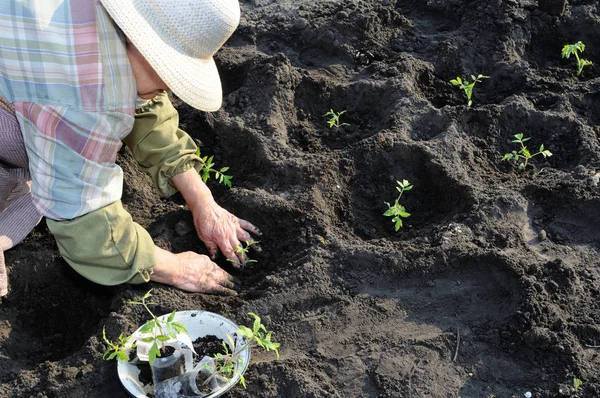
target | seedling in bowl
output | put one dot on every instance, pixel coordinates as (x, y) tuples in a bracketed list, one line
[(220, 175), (156, 331), (116, 349), (524, 155), (575, 49), (160, 330), (334, 119), (468, 87), (397, 211), (225, 363)]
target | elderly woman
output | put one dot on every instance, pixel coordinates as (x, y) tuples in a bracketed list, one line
[(78, 78)]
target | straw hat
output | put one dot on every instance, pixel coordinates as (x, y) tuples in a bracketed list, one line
[(179, 38)]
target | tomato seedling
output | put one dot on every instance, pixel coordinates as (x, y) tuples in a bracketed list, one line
[(468, 87), (575, 49)]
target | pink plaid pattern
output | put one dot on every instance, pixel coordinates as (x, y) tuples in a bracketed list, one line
[(73, 91)]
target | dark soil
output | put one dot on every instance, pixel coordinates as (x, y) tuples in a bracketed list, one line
[(207, 346), (200, 383), (491, 288)]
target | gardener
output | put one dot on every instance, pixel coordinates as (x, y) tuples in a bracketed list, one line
[(76, 78)]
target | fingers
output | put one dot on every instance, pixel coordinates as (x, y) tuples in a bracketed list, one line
[(230, 284), (229, 253), (236, 254), (225, 285), (213, 249), (222, 291), (245, 237), (222, 231), (249, 227), (195, 273)]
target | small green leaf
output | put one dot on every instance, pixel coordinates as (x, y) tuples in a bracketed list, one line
[(153, 352), (122, 356), (256, 326), (231, 342), (525, 153), (171, 317), (398, 224), (577, 383), (389, 213), (147, 327), (245, 332), (179, 326)]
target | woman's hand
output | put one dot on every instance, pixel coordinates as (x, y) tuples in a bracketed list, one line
[(219, 229), (192, 272), (216, 227)]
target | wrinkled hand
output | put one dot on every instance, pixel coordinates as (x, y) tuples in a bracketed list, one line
[(221, 230), (216, 227), (194, 273)]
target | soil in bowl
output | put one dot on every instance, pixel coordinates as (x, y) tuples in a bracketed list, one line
[(208, 346)]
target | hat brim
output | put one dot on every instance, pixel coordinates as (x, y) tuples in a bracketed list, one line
[(196, 81)]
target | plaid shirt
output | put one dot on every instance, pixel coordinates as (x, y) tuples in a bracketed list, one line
[(64, 67)]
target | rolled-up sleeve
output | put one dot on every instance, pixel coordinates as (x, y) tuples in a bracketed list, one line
[(106, 246), (160, 147)]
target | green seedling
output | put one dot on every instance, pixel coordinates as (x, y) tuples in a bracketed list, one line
[(577, 383), (157, 331), (523, 155), (116, 349), (243, 250), (257, 336), (160, 330), (397, 211), (208, 168), (575, 49), (334, 119), (468, 87)]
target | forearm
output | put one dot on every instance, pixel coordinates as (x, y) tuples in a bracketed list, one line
[(159, 146), (195, 192), (166, 262)]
